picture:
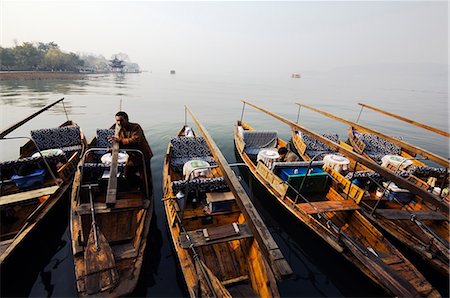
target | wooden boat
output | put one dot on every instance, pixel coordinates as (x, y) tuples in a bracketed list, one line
[(109, 223), (380, 143), (223, 247), (304, 189), (397, 155), (406, 217), (34, 183)]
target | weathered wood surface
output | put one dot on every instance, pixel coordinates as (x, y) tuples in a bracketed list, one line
[(408, 215), (424, 126), (27, 222), (267, 244), (124, 226), (111, 192), (327, 206), (198, 238), (412, 148), (352, 226), (100, 267), (431, 198), (27, 195)]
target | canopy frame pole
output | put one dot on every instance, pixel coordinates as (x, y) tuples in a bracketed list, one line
[(298, 114), (242, 113), (359, 115)]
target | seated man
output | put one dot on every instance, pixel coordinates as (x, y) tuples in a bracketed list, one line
[(131, 136), (287, 155)]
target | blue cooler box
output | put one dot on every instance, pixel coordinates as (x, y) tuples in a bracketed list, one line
[(316, 181), (36, 178)]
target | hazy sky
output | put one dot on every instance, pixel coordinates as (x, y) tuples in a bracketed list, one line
[(237, 36)]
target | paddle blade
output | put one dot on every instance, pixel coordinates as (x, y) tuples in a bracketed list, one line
[(100, 267)]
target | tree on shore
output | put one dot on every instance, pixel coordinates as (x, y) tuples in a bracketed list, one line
[(49, 57)]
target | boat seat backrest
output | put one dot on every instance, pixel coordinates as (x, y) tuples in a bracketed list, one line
[(189, 147), (260, 139), (315, 145), (421, 171), (378, 146), (200, 184), (11, 167), (295, 164), (103, 135), (67, 138), (184, 149)]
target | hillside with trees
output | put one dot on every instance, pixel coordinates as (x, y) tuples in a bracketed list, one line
[(49, 57)]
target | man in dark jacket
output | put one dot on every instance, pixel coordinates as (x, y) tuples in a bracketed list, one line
[(131, 136)]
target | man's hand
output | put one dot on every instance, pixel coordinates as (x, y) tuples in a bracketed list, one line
[(115, 139)]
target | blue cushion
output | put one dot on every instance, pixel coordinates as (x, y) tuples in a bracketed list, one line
[(60, 137), (103, 135)]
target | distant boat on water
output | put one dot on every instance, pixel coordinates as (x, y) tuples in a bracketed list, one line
[(295, 76)]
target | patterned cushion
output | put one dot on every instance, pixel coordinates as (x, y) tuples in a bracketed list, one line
[(102, 137), (316, 145), (420, 171), (377, 147), (184, 149), (364, 174), (260, 139), (178, 163), (9, 168), (200, 184), (61, 137)]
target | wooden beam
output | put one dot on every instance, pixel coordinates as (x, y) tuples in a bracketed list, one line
[(262, 235), (111, 192), (427, 196), (20, 123), (424, 126), (27, 195), (417, 150)]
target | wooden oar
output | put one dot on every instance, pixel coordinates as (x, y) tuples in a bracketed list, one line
[(427, 196), (20, 123), (111, 192), (262, 235), (100, 267), (424, 126), (417, 150)]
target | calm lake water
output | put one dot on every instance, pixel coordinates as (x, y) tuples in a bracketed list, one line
[(156, 101)]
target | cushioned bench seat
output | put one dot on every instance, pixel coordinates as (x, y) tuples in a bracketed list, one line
[(376, 147), (315, 147), (184, 149), (66, 138), (257, 140), (200, 184), (11, 167)]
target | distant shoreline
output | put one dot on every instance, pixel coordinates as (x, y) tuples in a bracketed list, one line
[(43, 75)]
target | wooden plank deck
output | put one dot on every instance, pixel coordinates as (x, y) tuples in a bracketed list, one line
[(27, 195), (406, 215), (327, 206), (198, 237)]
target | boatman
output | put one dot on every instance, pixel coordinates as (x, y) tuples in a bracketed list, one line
[(131, 136), (287, 155)]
